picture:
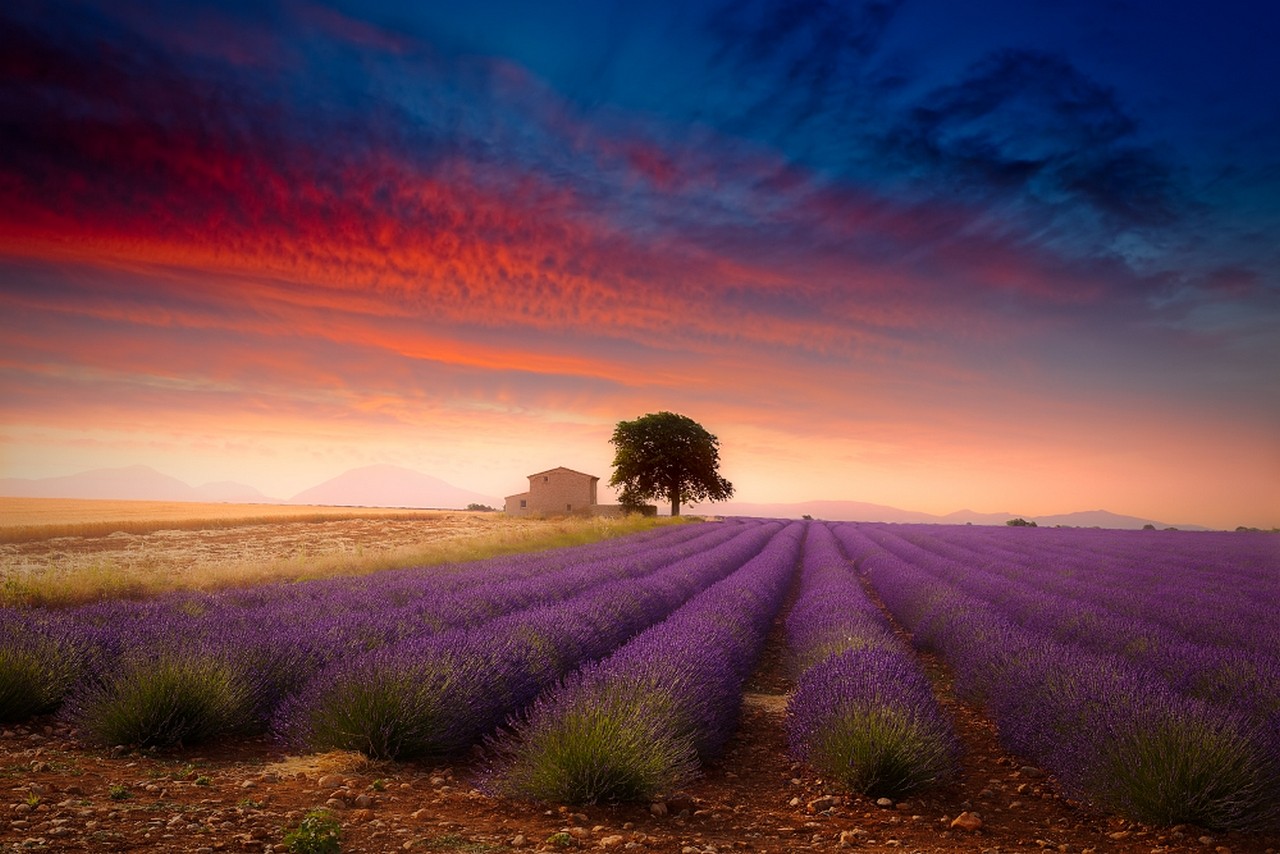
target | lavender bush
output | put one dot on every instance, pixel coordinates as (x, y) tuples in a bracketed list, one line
[(439, 693), (862, 713), (1142, 716), (41, 657), (170, 699), (272, 639), (639, 721), (868, 719)]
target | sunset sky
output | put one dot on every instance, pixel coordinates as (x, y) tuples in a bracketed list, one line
[(995, 255)]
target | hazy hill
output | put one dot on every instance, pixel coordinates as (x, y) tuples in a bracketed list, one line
[(389, 486), (394, 486), (859, 511), (1106, 519), (838, 511), (138, 483)]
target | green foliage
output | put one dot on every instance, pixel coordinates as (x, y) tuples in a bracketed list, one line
[(1020, 523), (482, 508), (118, 792), (35, 674), (606, 751), (318, 833), (665, 455), (175, 700), (881, 752), (392, 710), (1190, 769)]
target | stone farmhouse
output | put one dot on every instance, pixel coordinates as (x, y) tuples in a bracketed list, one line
[(560, 492)]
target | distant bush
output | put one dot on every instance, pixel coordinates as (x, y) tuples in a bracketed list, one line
[(1020, 523), (482, 508)]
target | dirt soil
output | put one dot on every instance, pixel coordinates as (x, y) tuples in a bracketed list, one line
[(56, 795)]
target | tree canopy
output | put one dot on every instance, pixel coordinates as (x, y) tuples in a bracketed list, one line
[(665, 455)]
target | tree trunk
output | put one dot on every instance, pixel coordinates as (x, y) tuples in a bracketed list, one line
[(675, 501)]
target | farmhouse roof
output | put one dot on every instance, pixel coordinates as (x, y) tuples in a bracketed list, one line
[(562, 468)]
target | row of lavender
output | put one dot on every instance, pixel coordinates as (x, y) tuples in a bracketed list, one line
[(1088, 650), (863, 713), (189, 667), (642, 720)]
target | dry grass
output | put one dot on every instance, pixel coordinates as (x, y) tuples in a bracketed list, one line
[(27, 519), (151, 550)]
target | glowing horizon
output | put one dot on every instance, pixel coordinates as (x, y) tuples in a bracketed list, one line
[(1003, 277)]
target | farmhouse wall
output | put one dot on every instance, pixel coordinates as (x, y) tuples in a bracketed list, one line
[(555, 492)]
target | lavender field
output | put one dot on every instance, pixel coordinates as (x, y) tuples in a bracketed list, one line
[(1139, 670)]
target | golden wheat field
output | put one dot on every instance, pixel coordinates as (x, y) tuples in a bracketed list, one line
[(65, 551)]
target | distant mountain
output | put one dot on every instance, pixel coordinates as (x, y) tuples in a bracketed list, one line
[(393, 486), (389, 486), (1105, 519), (836, 511), (859, 511), (129, 483)]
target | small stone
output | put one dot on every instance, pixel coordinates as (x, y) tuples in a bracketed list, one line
[(518, 841), (1031, 771), (336, 804), (825, 802), (1206, 840), (848, 838), (794, 802), (612, 841), (967, 821), (680, 803), (658, 808), (330, 781), (363, 801), (578, 832), (244, 784), (884, 802), (438, 781)]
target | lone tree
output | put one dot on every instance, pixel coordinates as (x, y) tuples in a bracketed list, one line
[(665, 455)]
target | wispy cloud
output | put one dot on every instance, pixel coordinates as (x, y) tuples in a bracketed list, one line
[(764, 211)]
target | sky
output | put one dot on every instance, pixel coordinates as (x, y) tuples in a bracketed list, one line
[(992, 255)]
